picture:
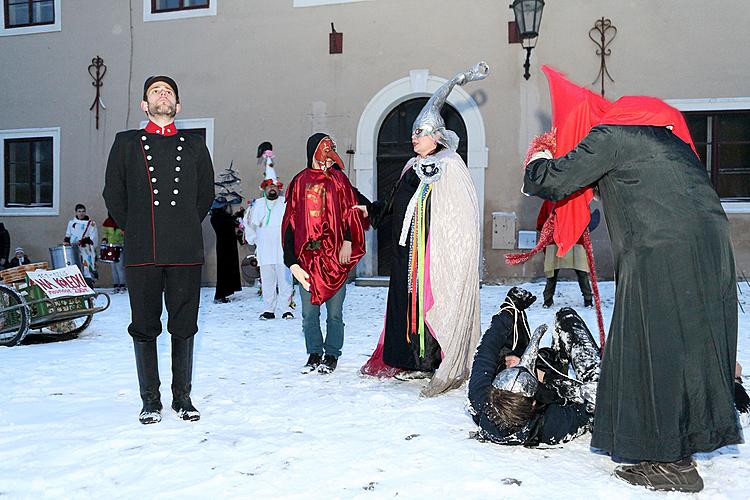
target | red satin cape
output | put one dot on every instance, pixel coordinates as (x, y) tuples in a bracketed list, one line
[(319, 211)]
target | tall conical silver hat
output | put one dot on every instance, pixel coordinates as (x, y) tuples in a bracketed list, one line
[(521, 378), (430, 122)]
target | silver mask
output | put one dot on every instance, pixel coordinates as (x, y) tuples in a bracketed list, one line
[(521, 379), (429, 121)]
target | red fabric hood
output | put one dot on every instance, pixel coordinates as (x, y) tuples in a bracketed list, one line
[(575, 110), (643, 110)]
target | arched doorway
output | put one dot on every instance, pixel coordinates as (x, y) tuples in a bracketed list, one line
[(394, 150), (418, 83)]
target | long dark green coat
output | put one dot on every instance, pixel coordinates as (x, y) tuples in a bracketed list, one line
[(666, 386)]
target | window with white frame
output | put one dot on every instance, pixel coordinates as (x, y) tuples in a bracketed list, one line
[(30, 160), (720, 128), (21, 17), (722, 139), (164, 10), (313, 3)]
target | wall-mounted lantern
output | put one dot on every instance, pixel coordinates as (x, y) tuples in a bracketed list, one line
[(528, 14)]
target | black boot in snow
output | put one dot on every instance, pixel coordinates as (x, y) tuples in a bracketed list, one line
[(182, 378), (147, 366)]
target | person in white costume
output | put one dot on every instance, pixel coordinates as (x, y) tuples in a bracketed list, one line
[(263, 229)]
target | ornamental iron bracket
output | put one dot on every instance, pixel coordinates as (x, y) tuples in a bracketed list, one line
[(607, 32), (97, 70)]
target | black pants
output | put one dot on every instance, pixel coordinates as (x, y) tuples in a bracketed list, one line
[(583, 283), (180, 287)]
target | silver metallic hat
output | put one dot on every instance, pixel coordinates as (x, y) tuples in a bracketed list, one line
[(429, 121), (521, 379)]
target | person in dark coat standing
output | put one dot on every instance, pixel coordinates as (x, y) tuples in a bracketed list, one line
[(158, 188), (225, 226), (666, 386)]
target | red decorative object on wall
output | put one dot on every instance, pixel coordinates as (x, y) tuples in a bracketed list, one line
[(335, 41)]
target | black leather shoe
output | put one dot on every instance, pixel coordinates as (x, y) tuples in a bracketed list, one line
[(267, 315), (185, 410), (312, 363), (328, 364), (287, 315), (150, 413)]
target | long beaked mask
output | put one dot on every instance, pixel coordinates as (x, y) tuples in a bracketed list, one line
[(521, 379), (327, 150), (429, 121)]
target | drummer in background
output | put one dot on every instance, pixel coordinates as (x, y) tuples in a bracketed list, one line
[(114, 238), (21, 259), (82, 233)]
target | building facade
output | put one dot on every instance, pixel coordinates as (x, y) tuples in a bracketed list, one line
[(261, 70)]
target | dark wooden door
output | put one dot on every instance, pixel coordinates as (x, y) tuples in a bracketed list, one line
[(394, 150)]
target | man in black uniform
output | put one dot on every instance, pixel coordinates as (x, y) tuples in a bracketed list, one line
[(159, 187)]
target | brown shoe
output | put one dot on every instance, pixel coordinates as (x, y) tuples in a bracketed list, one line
[(663, 476)]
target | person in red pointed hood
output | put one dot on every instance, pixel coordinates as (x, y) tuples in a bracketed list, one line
[(575, 110), (666, 387), (323, 239)]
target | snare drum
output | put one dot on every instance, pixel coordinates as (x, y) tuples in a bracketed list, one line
[(110, 253)]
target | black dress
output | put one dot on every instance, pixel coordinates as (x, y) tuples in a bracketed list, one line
[(227, 261), (401, 348)]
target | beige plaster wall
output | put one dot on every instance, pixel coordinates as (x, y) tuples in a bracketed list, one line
[(262, 70)]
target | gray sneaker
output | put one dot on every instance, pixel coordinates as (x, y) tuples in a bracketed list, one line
[(663, 476)]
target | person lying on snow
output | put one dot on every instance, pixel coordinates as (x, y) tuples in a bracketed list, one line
[(520, 394)]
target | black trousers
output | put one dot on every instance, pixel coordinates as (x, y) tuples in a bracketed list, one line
[(180, 288), (583, 283)]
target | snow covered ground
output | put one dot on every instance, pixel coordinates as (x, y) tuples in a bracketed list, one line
[(69, 427)]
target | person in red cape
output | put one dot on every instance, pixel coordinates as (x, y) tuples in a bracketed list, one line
[(323, 239), (666, 389)]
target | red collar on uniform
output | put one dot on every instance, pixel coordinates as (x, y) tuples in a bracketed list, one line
[(153, 128)]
